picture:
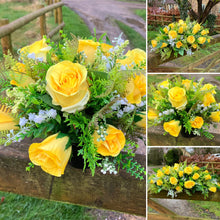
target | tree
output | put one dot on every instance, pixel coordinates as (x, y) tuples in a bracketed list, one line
[(202, 13)]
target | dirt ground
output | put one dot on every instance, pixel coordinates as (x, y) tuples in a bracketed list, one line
[(102, 13)]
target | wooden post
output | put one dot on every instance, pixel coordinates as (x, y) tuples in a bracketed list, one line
[(60, 14), (56, 13), (162, 21), (43, 29), (6, 41)]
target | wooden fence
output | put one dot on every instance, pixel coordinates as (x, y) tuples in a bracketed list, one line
[(120, 192), (6, 28)]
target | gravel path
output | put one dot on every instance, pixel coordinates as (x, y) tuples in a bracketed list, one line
[(102, 13)]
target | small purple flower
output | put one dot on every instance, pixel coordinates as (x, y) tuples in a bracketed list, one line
[(23, 121)]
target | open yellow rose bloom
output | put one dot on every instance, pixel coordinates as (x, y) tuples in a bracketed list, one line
[(113, 144), (51, 155), (67, 85)]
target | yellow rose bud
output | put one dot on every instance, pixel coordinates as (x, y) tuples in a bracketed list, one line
[(180, 30), (201, 40), (203, 32), (135, 89), (163, 45), (89, 48), (215, 116), (189, 184), (213, 189), (208, 177), (19, 76), (194, 46), (190, 39), (152, 114), (167, 171), (179, 44), (7, 122), (187, 82), (165, 30), (179, 188), (151, 182), (112, 145), (154, 43), (176, 166), (188, 170), (159, 182), (197, 122), (173, 180), (172, 127), (67, 85), (196, 28), (196, 176), (177, 97), (37, 50), (180, 173), (209, 87), (133, 56), (195, 168), (164, 84), (172, 34), (171, 25), (208, 99), (159, 173), (206, 171), (51, 154), (181, 22), (208, 40)]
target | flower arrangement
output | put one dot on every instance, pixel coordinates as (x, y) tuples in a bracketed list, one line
[(84, 97), (185, 106), (183, 178), (179, 38)]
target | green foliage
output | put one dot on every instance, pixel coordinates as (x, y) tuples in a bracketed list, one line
[(172, 156)]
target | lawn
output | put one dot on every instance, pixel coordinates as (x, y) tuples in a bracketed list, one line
[(141, 13), (135, 39)]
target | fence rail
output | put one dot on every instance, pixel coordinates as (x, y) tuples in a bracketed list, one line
[(6, 28)]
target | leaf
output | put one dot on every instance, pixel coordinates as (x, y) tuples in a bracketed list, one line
[(48, 100), (61, 135), (181, 52), (58, 118)]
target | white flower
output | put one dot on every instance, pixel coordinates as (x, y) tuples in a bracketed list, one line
[(52, 113), (23, 121), (39, 119), (31, 116)]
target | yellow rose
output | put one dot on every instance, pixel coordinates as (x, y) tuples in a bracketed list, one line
[(177, 97), (151, 182), (152, 114), (180, 173), (66, 84), (190, 39), (37, 50), (89, 47), (105, 48), (208, 40), (215, 116), (201, 40), (112, 145), (209, 87), (133, 56), (188, 170), (159, 173), (180, 30), (206, 171), (171, 25), (196, 176), (181, 22), (179, 188), (173, 180), (165, 30), (203, 32), (213, 189), (179, 44), (7, 122), (19, 76), (164, 84), (208, 99), (208, 177), (189, 184), (135, 89), (159, 182), (197, 122), (154, 43), (196, 28), (172, 127), (195, 168), (176, 166), (172, 34), (163, 45), (194, 46), (167, 171), (51, 154), (187, 82)]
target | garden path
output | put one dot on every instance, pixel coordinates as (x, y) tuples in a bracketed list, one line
[(102, 13)]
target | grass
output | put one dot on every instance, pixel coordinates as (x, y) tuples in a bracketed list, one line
[(141, 13), (27, 208), (135, 39), (152, 32)]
